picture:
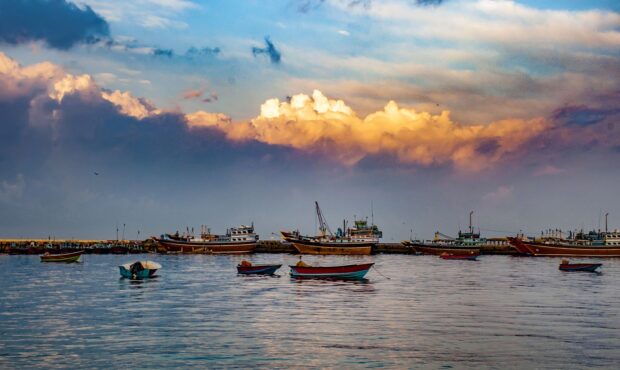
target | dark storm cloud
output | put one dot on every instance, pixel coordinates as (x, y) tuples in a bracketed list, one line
[(269, 50), (582, 115), (60, 24)]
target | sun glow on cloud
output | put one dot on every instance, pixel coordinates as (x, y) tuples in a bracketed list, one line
[(318, 124)]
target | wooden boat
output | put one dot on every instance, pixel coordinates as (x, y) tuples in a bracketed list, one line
[(588, 267), (61, 257), (349, 272), (139, 269), (238, 240), (257, 269), (460, 256), (358, 240), (341, 248), (438, 249), (564, 250)]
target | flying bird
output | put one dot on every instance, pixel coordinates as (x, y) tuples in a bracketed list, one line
[(96, 173)]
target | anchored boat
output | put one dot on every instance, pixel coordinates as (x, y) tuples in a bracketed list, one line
[(139, 269), (61, 257), (246, 268), (348, 272), (359, 239), (237, 240), (587, 267)]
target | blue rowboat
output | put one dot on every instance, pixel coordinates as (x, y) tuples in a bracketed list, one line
[(257, 269), (348, 272), (139, 269)]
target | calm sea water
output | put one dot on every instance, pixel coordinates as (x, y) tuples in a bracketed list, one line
[(500, 312)]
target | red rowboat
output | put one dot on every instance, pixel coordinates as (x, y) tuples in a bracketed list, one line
[(62, 257), (588, 267), (563, 250), (350, 272)]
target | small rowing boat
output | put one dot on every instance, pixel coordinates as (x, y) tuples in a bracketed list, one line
[(139, 269), (349, 272), (249, 269), (61, 257), (587, 267), (462, 256)]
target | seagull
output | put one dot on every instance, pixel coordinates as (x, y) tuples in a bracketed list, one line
[(96, 173)]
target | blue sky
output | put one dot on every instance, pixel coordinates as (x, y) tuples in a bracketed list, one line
[(507, 108)]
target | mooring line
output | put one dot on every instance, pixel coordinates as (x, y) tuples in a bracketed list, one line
[(379, 272)]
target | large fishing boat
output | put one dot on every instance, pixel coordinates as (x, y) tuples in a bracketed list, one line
[(237, 240), (593, 244), (359, 239), (469, 243), (578, 244)]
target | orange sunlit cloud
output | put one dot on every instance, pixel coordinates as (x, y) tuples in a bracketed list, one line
[(318, 124)]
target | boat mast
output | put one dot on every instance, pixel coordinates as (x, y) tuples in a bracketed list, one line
[(606, 214), (322, 223), (471, 228)]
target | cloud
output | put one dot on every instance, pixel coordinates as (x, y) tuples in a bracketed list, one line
[(318, 124), (269, 50), (195, 94), (12, 190), (58, 23), (549, 170), (502, 193), (344, 33)]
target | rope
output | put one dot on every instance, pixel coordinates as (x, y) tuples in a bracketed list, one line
[(379, 272)]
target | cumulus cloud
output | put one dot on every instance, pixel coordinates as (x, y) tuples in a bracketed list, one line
[(58, 23), (270, 50), (328, 126)]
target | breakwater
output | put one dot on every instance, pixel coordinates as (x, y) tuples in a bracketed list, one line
[(40, 246)]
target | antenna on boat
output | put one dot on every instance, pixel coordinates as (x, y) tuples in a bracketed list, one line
[(606, 214), (372, 214)]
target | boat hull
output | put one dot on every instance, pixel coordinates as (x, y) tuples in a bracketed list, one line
[(179, 246), (465, 257), (327, 248), (63, 257), (258, 269), (586, 267), (146, 273), (551, 250), (439, 249), (348, 272)]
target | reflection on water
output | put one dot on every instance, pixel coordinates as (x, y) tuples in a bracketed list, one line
[(421, 311)]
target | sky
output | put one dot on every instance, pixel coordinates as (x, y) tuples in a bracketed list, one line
[(166, 114)]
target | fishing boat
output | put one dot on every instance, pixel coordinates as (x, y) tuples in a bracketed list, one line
[(359, 239), (61, 257), (349, 272), (460, 256), (237, 240), (246, 268), (587, 267), (139, 269), (468, 243), (565, 249)]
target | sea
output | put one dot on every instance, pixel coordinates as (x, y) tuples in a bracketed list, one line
[(411, 312)]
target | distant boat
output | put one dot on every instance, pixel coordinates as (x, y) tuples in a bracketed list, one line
[(587, 267), (561, 249), (139, 269), (468, 243), (237, 240), (349, 272), (61, 257), (459, 256), (249, 269), (359, 239)]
